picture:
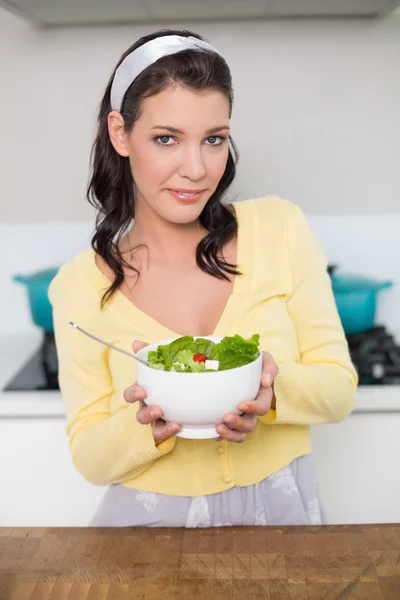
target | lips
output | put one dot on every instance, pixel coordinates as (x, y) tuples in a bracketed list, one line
[(186, 196)]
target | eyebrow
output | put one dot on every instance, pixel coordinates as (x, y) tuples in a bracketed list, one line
[(175, 130)]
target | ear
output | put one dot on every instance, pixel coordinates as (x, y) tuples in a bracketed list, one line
[(117, 133)]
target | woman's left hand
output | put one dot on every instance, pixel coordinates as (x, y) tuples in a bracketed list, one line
[(236, 427)]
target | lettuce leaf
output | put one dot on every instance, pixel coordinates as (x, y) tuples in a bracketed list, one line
[(231, 351), (185, 358), (168, 352), (155, 360), (235, 351), (203, 346)]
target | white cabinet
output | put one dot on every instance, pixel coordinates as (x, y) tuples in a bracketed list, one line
[(358, 468), (356, 462), (39, 486)]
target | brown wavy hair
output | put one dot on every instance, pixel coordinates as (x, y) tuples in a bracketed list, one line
[(111, 190)]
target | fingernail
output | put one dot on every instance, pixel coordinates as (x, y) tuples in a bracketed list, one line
[(171, 428), (268, 378), (153, 413), (138, 395), (244, 406)]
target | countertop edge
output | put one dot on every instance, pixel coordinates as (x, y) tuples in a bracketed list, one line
[(50, 405)]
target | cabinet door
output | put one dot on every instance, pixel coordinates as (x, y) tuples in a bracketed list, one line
[(39, 485), (357, 467)]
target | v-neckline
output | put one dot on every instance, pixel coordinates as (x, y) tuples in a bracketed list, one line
[(127, 310)]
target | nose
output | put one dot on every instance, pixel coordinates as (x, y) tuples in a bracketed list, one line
[(192, 163)]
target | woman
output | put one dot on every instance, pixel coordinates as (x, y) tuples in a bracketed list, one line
[(190, 265)]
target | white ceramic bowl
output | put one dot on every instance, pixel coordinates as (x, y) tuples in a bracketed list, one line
[(198, 401)]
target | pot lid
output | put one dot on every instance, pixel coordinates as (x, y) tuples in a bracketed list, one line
[(38, 277), (356, 283)]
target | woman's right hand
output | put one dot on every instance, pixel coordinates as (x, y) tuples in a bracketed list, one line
[(149, 414)]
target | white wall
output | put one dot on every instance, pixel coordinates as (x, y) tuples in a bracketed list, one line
[(316, 117), (364, 244)]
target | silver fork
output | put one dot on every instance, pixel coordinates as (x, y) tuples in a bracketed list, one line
[(94, 337)]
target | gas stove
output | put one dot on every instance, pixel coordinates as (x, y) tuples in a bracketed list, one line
[(40, 372), (376, 356)]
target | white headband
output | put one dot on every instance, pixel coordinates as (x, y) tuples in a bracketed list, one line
[(144, 56)]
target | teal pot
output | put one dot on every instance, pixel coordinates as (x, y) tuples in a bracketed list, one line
[(37, 285), (356, 299)]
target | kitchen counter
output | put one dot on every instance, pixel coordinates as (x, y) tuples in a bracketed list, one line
[(14, 350), (224, 563), (354, 459)]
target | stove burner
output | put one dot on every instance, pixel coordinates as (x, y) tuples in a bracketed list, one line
[(376, 356)]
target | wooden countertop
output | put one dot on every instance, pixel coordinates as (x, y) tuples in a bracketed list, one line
[(297, 563)]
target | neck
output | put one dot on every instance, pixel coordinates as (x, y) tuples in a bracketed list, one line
[(168, 242)]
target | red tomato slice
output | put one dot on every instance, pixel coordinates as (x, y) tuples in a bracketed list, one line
[(199, 358)]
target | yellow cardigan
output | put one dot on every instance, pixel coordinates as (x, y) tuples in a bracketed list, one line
[(284, 294)]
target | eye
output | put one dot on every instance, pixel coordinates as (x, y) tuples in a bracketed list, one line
[(165, 140), (215, 140)]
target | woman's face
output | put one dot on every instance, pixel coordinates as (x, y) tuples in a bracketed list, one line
[(178, 149)]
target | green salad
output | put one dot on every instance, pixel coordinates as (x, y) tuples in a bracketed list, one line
[(189, 355)]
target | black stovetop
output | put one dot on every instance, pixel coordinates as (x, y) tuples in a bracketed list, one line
[(40, 372), (375, 354)]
